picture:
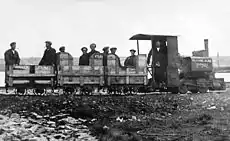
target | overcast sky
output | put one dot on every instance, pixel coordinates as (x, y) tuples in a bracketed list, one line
[(77, 23)]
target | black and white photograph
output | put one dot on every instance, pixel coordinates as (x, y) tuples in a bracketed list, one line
[(114, 70)]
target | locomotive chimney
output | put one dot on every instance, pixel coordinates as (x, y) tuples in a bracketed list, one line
[(206, 47)]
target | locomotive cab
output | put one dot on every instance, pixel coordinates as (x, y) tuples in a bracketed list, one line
[(163, 68)]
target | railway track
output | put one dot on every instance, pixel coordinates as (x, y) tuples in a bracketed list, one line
[(58, 92)]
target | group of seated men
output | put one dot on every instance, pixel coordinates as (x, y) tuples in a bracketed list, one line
[(84, 58), (50, 57)]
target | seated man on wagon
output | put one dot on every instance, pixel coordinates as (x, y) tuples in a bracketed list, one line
[(93, 49), (84, 58), (113, 51), (62, 51), (131, 60)]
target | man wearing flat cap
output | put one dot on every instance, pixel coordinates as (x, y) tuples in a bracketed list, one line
[(49, 56), (113, 50), (11, 57), (92, 47), (84, 58), (62, 49), (131, 60), (62, 56)]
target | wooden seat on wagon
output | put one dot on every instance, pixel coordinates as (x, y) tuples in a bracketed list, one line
[(115, 66), (64, 58), (119, 75), (83, 75)]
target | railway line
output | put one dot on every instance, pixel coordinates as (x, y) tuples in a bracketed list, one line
[(59, 92)]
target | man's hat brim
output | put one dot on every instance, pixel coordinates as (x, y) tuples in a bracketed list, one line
[(113, 48), (61, 48), (105, 48), (48, 42), (133, 50), (93, 44), (84, 48), (13, 43)]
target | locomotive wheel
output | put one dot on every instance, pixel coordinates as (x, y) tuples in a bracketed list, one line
[(21, 90), (135, 90), (68, 90), (125, 90), (150, 89), (142, 90), (173, 90), (39, 91), (203, 89), (111, 90), (194, 91), (183, 89)]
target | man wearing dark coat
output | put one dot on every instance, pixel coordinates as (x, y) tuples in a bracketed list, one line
[(11, 58), (160, 59), (84, 58), (92, 47), (49, 56), (131, 60), (11, 55)]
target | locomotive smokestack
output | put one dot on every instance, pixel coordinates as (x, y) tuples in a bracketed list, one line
[(206, 47)]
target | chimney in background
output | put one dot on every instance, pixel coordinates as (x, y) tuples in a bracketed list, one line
[(206, 47)]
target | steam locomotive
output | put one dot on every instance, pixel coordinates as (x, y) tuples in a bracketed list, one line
[(178, 75)]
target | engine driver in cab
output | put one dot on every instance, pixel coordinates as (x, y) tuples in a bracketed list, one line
[(131, 60), (160, 63), (157, 49)]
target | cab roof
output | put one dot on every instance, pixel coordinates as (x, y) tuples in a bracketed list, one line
[(148, 36)]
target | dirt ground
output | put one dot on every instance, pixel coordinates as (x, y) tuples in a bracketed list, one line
[(159, 117)]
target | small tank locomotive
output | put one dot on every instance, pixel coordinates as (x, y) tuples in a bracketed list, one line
[(196, 75)]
